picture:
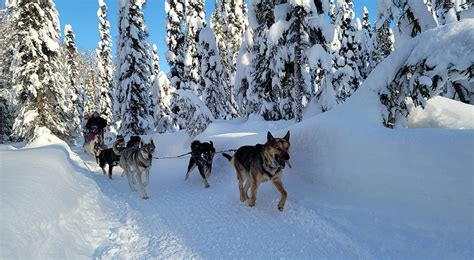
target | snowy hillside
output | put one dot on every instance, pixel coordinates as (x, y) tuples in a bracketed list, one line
[(356, 190)]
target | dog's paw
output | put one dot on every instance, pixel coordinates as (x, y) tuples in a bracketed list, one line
[(145, 197), (281, 205), (251, 203), (207, 186)]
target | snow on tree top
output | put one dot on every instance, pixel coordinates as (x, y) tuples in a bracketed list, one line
[(101, 3), (67, 28), (306, 4)]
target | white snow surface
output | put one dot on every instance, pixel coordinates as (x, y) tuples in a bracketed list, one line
[(356, 190), (441, 112)]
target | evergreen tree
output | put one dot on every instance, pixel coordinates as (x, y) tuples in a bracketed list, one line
[(347, 78), (383, 43), (191, 113), (410, 18), (241, 79), (229, 23), (74, 91), (366, 39), (299, 39), (120, 61), (195, 20), (260, 97), (211, 71), (7, 112), (162, 96), (321, 53), (37, 71), (104, 63), (175, 40), (90, 82), (134, 85)]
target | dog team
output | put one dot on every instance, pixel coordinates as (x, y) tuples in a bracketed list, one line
[(253, 164)]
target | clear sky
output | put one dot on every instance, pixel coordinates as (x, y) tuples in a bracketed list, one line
[(82, 15)]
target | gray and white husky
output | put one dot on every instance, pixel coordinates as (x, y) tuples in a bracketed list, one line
[(136, 161)]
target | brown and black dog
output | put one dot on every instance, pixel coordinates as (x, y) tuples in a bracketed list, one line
[(261, 163)]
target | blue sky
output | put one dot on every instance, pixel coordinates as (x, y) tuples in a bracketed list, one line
[(82, 15)]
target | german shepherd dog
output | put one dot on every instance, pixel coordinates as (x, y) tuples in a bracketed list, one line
[(138, 159), (261, 163), (202, 155), (111, 156)]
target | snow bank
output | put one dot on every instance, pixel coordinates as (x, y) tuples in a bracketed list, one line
[(442, 112), (49, 209)]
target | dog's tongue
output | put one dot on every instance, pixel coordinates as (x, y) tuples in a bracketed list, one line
[(289, 164)]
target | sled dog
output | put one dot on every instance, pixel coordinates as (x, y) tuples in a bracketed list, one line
[(111, 156), (135, 162), (260, 163), (202, 155), (92, 146)]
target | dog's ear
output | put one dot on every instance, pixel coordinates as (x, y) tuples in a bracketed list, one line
[(287, 136), (270, 138), (195, 145), (211, 143), (152, 143)]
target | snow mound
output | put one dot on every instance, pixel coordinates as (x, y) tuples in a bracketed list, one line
[(442, 112), (49, 208)]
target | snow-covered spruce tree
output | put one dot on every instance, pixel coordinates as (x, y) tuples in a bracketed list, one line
[(104, 63), (119, 61), (383, 42), (37, 72), (90, 82), (241, 79), (191, 113), (175, 40), (347, 78), (332, 11), (7, 113), (195, 20), (299, 41), (72, 78), (211, 71), (162, 96), (448, 11), (410, 18), (134, 83), (321, 35), (366, 39), (229, 22), (431, 62), (291, 80), (259, 94)]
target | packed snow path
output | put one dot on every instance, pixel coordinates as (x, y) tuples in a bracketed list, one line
[(183, 219)]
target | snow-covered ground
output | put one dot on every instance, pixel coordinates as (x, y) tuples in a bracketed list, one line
[(356, 190)]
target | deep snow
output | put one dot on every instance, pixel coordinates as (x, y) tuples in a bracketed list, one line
[(356, 190)]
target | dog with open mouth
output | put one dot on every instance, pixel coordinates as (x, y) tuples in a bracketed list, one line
[(261, 163)]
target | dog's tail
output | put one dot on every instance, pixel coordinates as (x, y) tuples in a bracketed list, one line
[(227, 156)]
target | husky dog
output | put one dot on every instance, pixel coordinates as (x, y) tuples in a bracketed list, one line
[(111, 156), (91, 145), (98, 148), (261, 163), (201, 156), (138, 159)]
